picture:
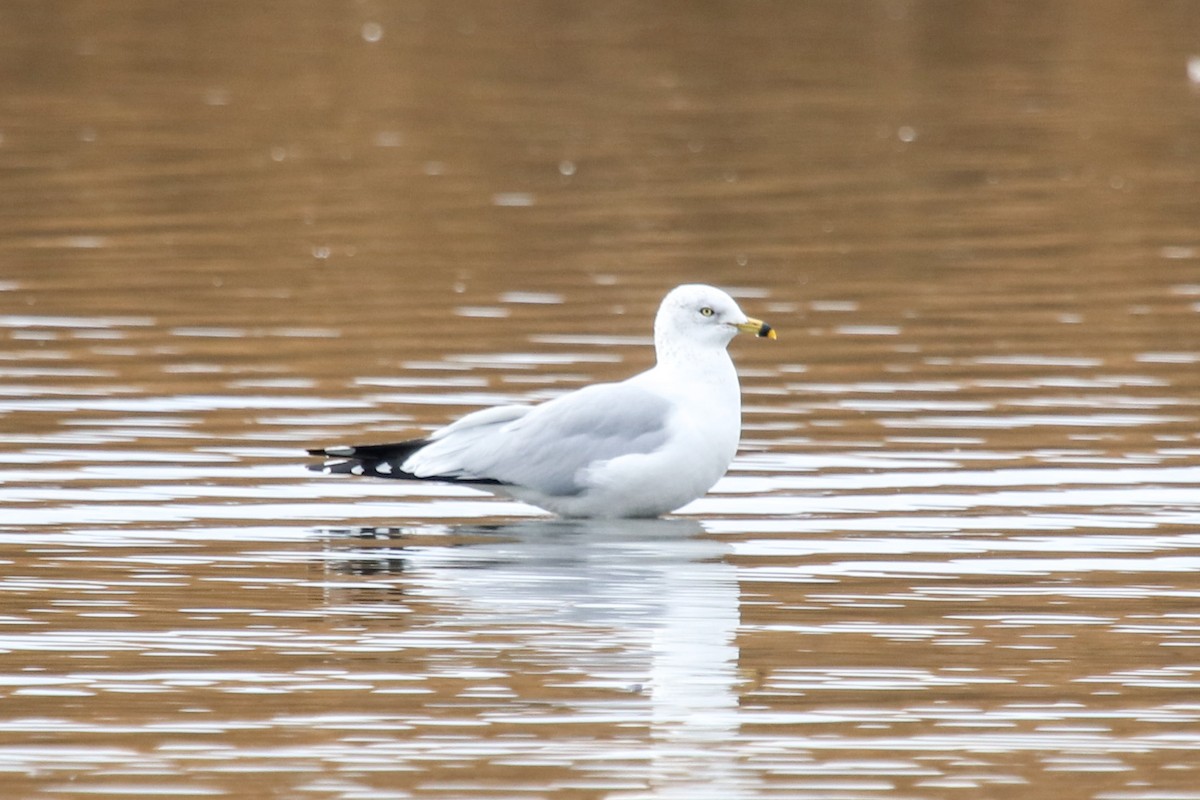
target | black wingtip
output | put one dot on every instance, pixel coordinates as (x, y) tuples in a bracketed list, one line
[(381, 461), (337, 451)]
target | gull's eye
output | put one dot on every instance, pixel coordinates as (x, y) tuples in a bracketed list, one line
[(706, 312)]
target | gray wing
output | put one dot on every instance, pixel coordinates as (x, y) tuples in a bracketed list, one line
[(547, 448)]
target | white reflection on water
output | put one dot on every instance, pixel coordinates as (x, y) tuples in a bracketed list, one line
[(1098, 420), (21, 321), (176, 403), (647, 606)]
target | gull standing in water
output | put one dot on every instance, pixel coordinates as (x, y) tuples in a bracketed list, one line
[(638, 448)]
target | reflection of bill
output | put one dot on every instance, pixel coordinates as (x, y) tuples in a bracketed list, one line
[(645, 608)]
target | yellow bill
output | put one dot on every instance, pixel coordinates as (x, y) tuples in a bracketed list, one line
[(757, 327)]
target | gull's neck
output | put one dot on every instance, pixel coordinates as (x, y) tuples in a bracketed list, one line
[(693, 360)]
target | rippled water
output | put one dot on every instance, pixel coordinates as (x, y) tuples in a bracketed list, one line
[(956, 557)]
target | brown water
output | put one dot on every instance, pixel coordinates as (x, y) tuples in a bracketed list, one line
[(957, 557)]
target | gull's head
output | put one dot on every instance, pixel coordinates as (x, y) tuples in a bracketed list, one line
[(703, 315)]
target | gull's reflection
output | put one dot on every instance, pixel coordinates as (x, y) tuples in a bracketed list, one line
[(649, 605)]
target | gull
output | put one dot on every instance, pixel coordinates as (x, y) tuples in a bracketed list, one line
[(641, 447)]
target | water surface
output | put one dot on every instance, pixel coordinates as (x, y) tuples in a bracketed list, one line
[(956, 557)]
